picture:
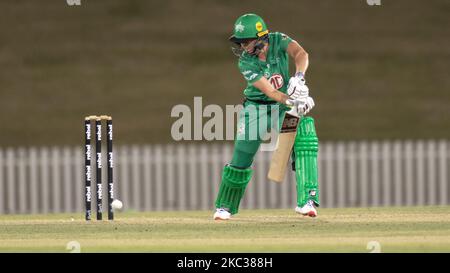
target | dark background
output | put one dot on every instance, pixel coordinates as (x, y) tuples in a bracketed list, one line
[(376, 72)]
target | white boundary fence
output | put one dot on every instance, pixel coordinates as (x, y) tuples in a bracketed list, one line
[(187, 177)]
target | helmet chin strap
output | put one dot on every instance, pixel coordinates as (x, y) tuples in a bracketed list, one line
[(236, 49), (259, 45), (257, 49)]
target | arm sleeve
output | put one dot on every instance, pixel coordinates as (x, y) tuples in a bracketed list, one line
[(284, 41), (250, 72)]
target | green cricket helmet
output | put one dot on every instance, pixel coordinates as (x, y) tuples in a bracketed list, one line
[(248, 27)]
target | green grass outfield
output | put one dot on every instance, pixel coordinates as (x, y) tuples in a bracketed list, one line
[(413, 229)]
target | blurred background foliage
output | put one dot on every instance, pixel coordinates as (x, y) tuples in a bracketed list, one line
[(376, 72)]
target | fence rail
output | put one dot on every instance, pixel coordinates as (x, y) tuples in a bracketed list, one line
[(187, 177)]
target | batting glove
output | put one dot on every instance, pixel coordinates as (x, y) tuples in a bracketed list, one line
[(301, 106), (297, 87)]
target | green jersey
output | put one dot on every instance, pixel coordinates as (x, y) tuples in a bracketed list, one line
[(275, 69)]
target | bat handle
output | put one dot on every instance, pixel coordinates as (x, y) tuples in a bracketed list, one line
[(294, 113)]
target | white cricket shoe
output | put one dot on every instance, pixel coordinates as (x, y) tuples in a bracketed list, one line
[(307, 210), (222, 214)]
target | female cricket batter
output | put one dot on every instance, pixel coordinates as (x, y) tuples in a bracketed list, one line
[(264, 63)]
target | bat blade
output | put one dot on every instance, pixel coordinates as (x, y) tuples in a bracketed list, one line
[(280, 156)]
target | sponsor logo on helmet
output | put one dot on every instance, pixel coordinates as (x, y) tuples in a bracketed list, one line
[(239, 27), (259, 26)]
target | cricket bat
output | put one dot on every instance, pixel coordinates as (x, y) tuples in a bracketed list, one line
[(285, 142)]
